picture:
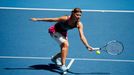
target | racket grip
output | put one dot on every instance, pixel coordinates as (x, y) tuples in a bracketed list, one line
[(96, 48)]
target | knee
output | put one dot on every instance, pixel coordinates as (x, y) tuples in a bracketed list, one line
[(65, 44)]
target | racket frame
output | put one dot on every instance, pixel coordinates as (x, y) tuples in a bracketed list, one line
[(104, 47)]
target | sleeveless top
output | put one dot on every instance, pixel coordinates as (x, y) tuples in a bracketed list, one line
[(62, 27)]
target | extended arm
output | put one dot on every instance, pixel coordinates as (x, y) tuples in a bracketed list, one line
[(82, 37), (63, 18)]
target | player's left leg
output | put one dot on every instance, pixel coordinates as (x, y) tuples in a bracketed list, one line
[(63, 42), (64, 52)]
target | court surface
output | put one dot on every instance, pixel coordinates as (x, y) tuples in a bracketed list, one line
[(26, 47)]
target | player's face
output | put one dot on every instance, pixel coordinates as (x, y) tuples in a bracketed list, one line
[(77, 15)]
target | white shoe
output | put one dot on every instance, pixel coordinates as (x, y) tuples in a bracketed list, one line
[(56, 61), (63, 68)]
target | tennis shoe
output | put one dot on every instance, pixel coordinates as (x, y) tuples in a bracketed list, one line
[(63, 68), (56, 61)]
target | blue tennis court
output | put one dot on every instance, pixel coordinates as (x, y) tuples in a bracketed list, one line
[(26, 47)]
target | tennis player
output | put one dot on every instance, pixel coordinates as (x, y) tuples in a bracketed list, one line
[(59, 33)]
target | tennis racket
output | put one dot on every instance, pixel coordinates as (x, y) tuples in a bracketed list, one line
[(113, 47)]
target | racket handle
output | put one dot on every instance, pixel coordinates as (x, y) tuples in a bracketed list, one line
[(96, 48)]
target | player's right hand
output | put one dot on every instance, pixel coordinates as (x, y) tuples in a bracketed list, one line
[(34, 19)]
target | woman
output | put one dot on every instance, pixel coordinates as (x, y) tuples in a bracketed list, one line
[(59, 33)]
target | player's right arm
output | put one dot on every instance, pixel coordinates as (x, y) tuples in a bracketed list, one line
[(63, 18)]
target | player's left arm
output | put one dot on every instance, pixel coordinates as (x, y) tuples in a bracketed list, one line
[(82, 36)]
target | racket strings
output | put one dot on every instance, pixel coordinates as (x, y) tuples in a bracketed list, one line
[(114, 48)]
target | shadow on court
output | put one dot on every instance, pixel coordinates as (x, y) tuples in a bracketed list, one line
[(53, 68), (49, 67)]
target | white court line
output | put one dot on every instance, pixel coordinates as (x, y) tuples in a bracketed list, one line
[(78, 59), (71, 62), (84, 10), (69, 65)]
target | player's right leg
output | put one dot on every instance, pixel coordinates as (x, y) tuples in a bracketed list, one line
[(57, 59)]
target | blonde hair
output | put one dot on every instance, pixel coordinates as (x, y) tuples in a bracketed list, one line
[(75, 10)]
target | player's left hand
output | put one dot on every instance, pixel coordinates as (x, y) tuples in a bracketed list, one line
[(90, 48)]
